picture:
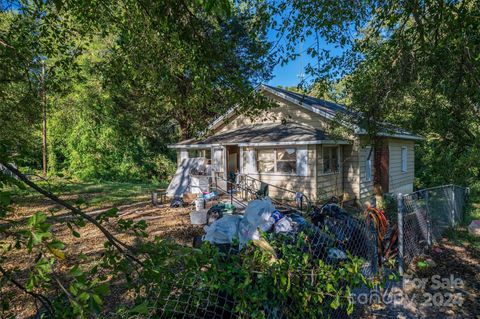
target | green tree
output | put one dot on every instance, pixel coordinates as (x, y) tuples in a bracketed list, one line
[(413, 63)]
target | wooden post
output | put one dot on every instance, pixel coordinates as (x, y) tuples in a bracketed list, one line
[(154, 198)]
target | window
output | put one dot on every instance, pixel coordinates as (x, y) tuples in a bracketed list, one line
[(286, 160), (282, 160), (199, 153), (404, 159), (368, 169), (217, 160), (207, 153), (330, 159), (266, 161), (368, 163)]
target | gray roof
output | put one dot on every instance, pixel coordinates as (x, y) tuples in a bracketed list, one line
[(330, 109), (263, 133), (309, 100), (273, 133)]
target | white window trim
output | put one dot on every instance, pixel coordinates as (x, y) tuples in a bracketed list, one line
[(275, 162), (339, 161), (369, 164), (404, 161)]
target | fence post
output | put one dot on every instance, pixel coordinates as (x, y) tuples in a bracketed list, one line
[(452, 187), (400, 233), (429, 222), (154, 198)]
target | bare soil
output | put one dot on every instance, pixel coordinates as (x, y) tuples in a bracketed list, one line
[(164, 222), (454, 292)]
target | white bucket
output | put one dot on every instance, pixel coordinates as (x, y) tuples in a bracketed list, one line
[(198, 217), (199, 204)]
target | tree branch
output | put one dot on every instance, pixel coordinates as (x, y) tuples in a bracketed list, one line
[(119, 245), (43, 300)]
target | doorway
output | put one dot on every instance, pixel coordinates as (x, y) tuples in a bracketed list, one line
[(233, 160)]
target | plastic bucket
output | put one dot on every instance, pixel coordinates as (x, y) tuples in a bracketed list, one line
[(198, 217), (199, 204)]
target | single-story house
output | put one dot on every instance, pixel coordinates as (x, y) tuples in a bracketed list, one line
[(290, 146)]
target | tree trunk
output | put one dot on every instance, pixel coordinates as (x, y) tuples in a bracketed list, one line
[(43, 97)]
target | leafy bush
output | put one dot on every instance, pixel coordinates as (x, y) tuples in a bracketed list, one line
[(252, 283)]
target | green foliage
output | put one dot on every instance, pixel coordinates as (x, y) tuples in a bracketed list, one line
[(125, 80), (256, 282), (413, 64)]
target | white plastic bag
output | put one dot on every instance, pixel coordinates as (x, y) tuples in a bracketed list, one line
[(247, 232), (257, 215), (259, 211), (284, 225), (223, 230)]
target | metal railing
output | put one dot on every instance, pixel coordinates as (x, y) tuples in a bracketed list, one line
[(248, 187)]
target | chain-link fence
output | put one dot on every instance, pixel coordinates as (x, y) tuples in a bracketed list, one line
[(329, 236), (425, 215)]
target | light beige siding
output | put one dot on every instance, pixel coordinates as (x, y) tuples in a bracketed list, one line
[(351, 169), (303, 184), (366, 185), (401, 182), (328, 184), (286, 111)]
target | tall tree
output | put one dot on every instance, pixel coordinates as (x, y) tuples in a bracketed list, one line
[(414, 63)]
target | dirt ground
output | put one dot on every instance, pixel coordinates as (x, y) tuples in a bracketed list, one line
[(448, 287), (447, 259), (164, 222)]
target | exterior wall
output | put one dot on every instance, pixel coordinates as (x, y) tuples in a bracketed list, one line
[(181, 154), (366, 186), (286, 111), (401, 182), (328, 184), (304, 184), (351, 169)]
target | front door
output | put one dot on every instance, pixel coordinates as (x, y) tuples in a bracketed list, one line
[(233, 159)]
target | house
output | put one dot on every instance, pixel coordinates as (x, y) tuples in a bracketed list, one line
[(292, 146)]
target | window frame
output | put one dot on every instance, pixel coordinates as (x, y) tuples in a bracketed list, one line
[(369, 163), (330, 148), (404, 159), (275, 160)]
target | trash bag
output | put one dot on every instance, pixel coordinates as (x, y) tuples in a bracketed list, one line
[(284, 225), (223, 230), (257, 215), (259, 211), (210, 196), (247, 232), (275, 217), (336, 254), (301, 224)]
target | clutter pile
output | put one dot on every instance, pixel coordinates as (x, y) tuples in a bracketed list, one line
[(331, 233)]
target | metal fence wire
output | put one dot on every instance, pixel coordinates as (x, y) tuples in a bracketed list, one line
[(423, 216), (327, 234), (426, 215)]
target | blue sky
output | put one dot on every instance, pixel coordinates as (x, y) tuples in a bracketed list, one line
[(289, 74)]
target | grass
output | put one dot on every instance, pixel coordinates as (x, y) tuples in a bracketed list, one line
[(92, 194)]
